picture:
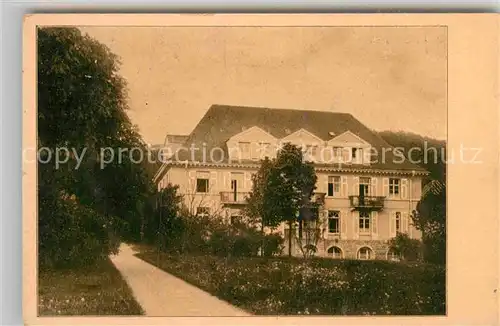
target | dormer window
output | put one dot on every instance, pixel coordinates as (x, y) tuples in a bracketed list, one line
[(354, 151), (264, 150), (244, 148)]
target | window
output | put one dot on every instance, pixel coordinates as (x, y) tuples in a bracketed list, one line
[(334, 222), (335, 252), (264, 150), (202, 185), (202, 211), (244, 149), (364, 186), (364, 222), (354, 151), (365, 253), (398, 222), (393, 255), (333, 185), (337, 152), (394, 185)]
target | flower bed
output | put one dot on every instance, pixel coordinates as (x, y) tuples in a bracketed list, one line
[(283, 286)]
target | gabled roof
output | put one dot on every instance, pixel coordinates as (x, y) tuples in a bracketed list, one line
[(221, 122)]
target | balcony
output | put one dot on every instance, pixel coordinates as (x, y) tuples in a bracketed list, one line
[(233, 198), (318, 197), (367, 202)]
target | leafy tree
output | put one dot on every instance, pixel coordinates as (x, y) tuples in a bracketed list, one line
[(430, 218), (431, 153), (409, 249), (82, 104), (166, 225), (283, 186)]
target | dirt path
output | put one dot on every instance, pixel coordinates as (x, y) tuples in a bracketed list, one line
[(162, 294)]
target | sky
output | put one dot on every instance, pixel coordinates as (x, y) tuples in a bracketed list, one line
[(390, 78)]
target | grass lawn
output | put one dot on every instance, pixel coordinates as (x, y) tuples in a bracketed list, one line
[(96, 290), (283, 286)]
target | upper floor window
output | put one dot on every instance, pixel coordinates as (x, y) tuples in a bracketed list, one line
[(364, 222), (202, 182), (394, 185), (333, 185), (354, 152), (364, 186), (334, 222), (264, 150), (337, 152), (244, 148)]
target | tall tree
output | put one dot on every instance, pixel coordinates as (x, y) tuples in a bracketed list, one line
[(430, 218), (284, 186), (82, 104)]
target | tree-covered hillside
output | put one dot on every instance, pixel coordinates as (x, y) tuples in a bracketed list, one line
[(427, 152)]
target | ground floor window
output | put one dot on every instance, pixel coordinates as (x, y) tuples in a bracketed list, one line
[(365, 253), (202, 211), (393, 255), (335, 252)]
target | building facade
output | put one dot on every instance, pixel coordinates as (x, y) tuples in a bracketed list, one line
[(366, 188)]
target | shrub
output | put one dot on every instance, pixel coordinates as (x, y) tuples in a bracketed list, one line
[(73, 235), (273, 244), (410, 249)]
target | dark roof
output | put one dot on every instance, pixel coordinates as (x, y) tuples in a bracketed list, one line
[(221, 122)]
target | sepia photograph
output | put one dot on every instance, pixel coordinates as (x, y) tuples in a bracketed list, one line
[(241, 170)]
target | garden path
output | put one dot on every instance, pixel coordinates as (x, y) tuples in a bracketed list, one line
[(162, 294)]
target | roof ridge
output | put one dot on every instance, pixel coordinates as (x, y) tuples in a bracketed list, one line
[(216, 105)]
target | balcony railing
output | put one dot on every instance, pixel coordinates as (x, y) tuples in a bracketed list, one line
[(318, 197), (368, 202), (231, 197)]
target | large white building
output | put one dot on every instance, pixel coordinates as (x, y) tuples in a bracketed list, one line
[(367, 188)]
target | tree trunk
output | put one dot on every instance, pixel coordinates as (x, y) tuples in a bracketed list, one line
[(290, 238), (263, 239)]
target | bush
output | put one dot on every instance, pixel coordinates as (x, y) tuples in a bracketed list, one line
[(73, 235), (410, 249), (209, 235), (273, 245)]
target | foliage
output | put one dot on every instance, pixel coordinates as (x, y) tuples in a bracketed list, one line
[(308, 238), (279, 286), (255, 209), (431, 154), (164, 224), (407, 248), (281, 187), (273, 244), (82, 103), (430, 218), (93, 290), (183, 233), (73, 235)]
